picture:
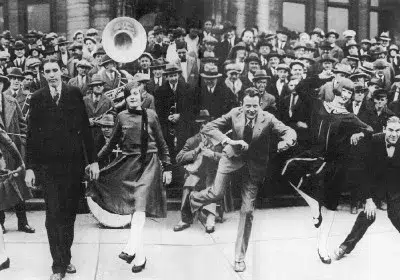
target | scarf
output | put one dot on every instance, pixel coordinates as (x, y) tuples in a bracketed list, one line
[(144, 138)]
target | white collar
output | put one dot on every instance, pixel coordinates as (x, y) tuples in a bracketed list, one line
[(59, 87)]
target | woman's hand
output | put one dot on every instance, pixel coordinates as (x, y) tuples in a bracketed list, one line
[(30, 178), (167, 177)]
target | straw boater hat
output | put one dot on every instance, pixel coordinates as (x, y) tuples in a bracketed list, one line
[(172, 69), (385, 36), (4, 55), (92, 31), (15, 72), (210, 72), (260, 75), (107, 120), (366, 41), (141, 78), (297, 62), (96, 80)]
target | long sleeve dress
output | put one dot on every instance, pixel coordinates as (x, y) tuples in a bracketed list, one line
[(320, 171), (131, 183)]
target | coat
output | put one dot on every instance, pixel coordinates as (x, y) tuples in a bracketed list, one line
[(110, 84), (152, 86), (192, 70), (83, 87), (257, 156), (59, 133), (21, 98)]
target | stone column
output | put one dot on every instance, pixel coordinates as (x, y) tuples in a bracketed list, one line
[(320, 18), (362, 20), (78, 16), (13, 19), (100, 14), (275, 14), (263, 15), (240, 15)]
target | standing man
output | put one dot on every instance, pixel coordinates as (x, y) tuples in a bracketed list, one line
[(82, 80), (382, 180), (58, 142), (247, 151)]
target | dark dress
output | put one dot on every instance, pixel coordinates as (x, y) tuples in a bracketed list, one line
[(123, 187), (320, 170)]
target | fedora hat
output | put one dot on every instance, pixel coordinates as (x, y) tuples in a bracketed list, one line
[(106, 59), (172, 69), (98, 51), (368, 67), (253, 57), (379, 93), (359, 74), (4, 79), (352, 43), (377, 50), (19, 45), (62, 41), (328, 57), (75, 45), (203, 116), (366, 41), (273, 54), (260, 75), (385, 36), (107, 120), (96, 80), (28, 72), (239, 46), (228, 26), (210, 72), (158, 63), (342, 68), (49, 50), (325, 45), (16, 73)]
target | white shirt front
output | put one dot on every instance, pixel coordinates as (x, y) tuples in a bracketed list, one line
[(184, 70), (279, 86), (356, 107), (390, 151), (54, 91)]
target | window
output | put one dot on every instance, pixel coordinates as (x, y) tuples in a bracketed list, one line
[(39, 16), (374, 3), (338, 19), (373, 24), (294, 16)]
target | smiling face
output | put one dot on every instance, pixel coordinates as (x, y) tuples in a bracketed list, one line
[(145, 62), (251, 106), (15, 83), (173, 78), (134, 100), (52, 73), (359, 96), (254, 66), (392, 132), (20, 53), (261, 84)]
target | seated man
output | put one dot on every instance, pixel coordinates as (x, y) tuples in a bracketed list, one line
[(200, 158)]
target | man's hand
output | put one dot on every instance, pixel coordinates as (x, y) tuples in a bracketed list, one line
[(283, 146), (94, 171), (174, 118), (243, 145), (91, 122), (30, 178), (208, 153), (301, 125), (355, 138), (370, 208), (167, 177)]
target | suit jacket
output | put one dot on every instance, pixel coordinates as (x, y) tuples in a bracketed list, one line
[(223, 48), (395, 107), (152, 87), (158, 51), (382, 172), (377, 122), (192, 70), (38, 83), (363, 112), (83, 87), (109, 84), (58, 133), (21, 65), (257, 155), (20, 97)]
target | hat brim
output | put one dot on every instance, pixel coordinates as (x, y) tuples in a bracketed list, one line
[(172, 72), (385, 38), (105, 62), (211, 76), (4, 79), (63, 43), (328, 59), (102, 123), (158, 66), (15, 76), (329, 33), (255, 79), (96, 83)]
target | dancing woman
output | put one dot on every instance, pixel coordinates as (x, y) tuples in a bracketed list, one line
[(10, 194), (333, 131), (133, 183)]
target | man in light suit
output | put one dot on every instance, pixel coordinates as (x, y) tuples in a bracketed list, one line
[(247, 152), (188, 64)]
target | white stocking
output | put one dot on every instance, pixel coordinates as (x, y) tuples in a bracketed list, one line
[(135, 242), (3, 255), (325, 229), (314, 204)]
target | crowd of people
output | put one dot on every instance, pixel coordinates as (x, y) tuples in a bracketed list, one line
[(207, 104)]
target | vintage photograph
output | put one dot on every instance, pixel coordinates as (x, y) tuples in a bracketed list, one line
[(199, 139)]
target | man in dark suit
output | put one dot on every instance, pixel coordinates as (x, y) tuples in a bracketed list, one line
[(230, 40), (20, 59), (175, 107), (157, 80), (382, 179), (59, 141), (247, 150)]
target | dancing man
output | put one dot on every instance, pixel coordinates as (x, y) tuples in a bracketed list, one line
[(247, 152)]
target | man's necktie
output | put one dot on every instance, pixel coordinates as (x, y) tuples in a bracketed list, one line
[(233, 87), (56, 97), (248, 133)]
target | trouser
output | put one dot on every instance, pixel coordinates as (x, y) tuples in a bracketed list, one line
[(20, 211), (216, 192), (62, 190), (362, 224), (188, 217)]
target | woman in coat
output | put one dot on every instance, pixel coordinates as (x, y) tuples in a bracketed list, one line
[(133, 183), (9, 190)]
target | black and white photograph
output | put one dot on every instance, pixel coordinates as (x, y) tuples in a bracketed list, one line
[(199, 139)]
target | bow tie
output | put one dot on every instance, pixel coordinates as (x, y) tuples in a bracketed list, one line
[(389, 145)]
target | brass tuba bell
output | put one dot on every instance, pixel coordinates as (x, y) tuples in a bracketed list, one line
[(124, 39)]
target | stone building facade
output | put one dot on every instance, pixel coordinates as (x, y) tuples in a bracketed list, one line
[(367, 17)]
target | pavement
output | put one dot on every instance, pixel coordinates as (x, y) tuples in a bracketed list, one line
[(282, 247)]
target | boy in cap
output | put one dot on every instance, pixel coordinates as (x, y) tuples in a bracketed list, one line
[(82, 79)]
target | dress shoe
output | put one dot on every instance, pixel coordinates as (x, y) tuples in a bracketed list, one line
[(139, 268), (57, 276), (26, 228), (3, 229), (325, 259), (71, 269), (210, 229), (128, 258), (340, 252), (181, 226), (240, 266), (317, 221), (5, 264)]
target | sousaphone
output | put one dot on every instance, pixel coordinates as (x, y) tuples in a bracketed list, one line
[(124, 40)]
